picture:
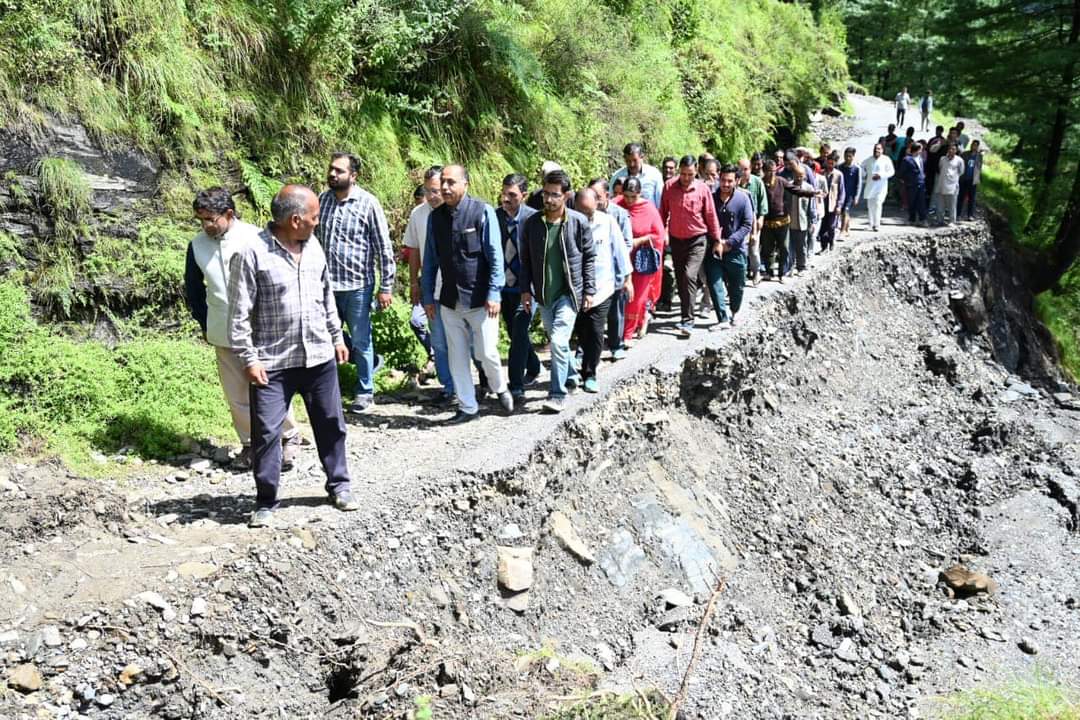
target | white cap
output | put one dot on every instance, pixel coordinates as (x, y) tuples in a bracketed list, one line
[(550, 166)]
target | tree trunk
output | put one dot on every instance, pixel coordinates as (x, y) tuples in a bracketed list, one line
[(1066, 248), (1060, 126)]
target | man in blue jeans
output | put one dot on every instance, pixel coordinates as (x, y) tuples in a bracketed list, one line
[(725, 262), (524, 365), (355, 237), (558, 270)]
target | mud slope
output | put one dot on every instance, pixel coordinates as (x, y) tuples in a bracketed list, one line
[(859, 437)]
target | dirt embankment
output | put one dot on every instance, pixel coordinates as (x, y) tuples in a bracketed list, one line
[(868, 431)]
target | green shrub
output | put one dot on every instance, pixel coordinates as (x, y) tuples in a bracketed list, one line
[(1038, 698)]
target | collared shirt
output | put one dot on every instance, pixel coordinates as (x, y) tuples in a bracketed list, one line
[(206, 278), (282, 312), (736, 219), (758, 198), (622, 217), (652, 182), (883, 168), (689, 212), (612, 264), (949, 172), (416, 237), (511, 254), (354, 234), (491, 246)]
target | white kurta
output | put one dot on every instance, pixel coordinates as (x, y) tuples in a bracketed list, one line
[(882, 167)]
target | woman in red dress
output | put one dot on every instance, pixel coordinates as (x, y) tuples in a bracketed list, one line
[(648, 229)]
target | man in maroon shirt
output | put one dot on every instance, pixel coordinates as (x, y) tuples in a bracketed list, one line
[(688, 212)]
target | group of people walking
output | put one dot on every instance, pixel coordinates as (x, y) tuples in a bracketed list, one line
[(595, 263)]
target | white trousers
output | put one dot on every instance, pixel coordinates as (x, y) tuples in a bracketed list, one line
[(484, 341), (873, 209), (946, 207), (237, 388)]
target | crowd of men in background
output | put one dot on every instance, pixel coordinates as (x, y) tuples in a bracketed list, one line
[(596, 263)]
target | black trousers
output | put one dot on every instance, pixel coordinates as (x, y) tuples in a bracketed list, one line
[(319, 388), (688, 256), (590, 326)]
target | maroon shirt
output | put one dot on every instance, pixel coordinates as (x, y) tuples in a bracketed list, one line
[(689, 212)]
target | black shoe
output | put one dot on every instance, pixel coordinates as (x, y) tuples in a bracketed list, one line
[(461, 417), (530, 379)]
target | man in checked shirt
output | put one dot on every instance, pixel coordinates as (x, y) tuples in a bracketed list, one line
[(284, 327), (355, 237)]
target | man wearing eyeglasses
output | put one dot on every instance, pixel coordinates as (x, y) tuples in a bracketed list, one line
[(206, 287)]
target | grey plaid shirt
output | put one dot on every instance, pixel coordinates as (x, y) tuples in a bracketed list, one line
[(354, 233), (282, 314)]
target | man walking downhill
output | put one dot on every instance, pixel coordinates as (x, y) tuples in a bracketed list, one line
[(831, 202), (853, 183), (652, 181), (612, 270), (969, 181), (950, 170), (617, 314), (206, 287), (355, 237), (465, 248), (725, 262), (877, 169), (523, 365), (752, 184), (558, 273), (416, 240), (913, 175), (902, 102), (284, 327), (689, 214)]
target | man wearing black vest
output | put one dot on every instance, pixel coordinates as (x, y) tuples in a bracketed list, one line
[(465, 246)]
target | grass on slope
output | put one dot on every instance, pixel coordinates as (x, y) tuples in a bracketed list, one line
[(1038, 698)]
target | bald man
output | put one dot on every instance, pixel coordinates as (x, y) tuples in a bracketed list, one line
[(284, 327)]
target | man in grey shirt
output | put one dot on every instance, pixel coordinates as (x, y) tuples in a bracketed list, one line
[(284, 326)]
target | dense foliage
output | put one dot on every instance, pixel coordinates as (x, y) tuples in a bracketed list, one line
[(1015, 65)]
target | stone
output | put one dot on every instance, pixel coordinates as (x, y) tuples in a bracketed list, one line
[(105, 699), (511, 533), (1067, 400), (518, 602), (515, 569), (196, 570), (564, 532), (306, 538), (848, 606), (223, 455), (438, 596), (130, 674), (198, 607), (822, 636), (847, 651), (622, 559), (965, 583), (674, 597), (1028, 646), (50, 636), (17, 585), (201, 465), (77, 644), (25, 678)]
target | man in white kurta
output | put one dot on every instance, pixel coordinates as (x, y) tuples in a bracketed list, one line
[(950, 170), (877, 169)]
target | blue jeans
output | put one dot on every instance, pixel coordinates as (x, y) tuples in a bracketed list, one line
[(354, 309), (616, 320), (441, 351), (523, 360), (559, 321), (726, 276)]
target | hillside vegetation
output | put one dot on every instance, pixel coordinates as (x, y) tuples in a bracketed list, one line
[(251, 93)]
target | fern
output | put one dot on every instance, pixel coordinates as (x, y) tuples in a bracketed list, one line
[(260, 188)]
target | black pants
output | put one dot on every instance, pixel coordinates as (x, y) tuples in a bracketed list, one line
[(590, 326), (827, 235), (688, 255), (774, 242), (616, 320), (667, 280), (319, 388), (900, 115), (965, 204)]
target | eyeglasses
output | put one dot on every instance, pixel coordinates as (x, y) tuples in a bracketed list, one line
[(551, 195)]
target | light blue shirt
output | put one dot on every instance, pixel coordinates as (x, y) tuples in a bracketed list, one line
[(652, 182), (623, 218), (491, 244), (612, 265)]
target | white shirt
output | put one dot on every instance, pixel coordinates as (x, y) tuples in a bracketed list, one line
[(902, 100), (416, 236), (213, 256), (881, 166), (949, 173)]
